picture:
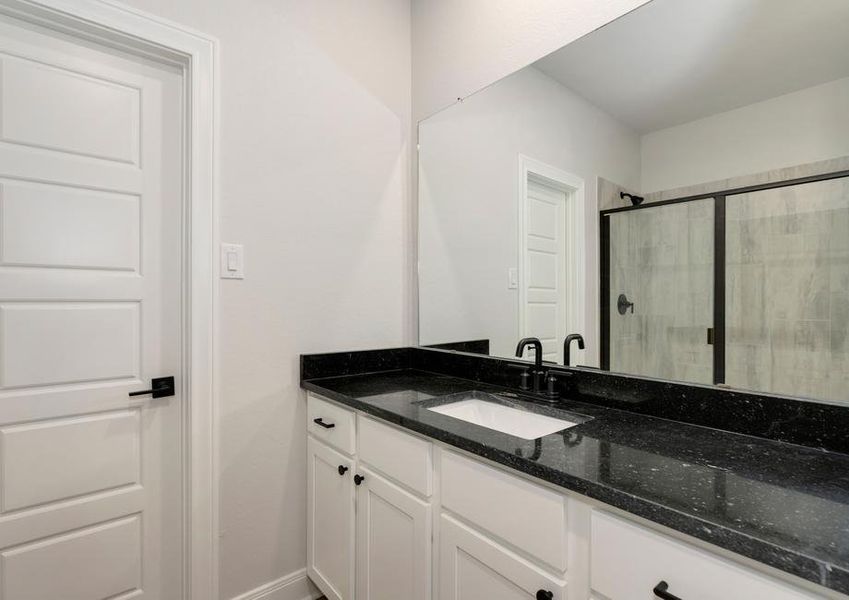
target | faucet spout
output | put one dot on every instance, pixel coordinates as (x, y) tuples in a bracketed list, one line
[(537, 346), (567, 343), (538, 372)]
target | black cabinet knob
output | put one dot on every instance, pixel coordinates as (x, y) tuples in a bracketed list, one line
[(660, 591), (545, 595), (358, 479), (321, 423), (342, 469)]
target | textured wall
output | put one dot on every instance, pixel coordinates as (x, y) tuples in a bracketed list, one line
[(662, 260), (788, 290)]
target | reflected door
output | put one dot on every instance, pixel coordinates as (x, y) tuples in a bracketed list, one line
[(544, 264), (660, 291)]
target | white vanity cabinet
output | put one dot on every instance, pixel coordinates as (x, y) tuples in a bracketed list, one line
[(394, 516), (369, 511)]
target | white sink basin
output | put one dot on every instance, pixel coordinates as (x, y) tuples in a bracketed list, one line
[(505, 419)]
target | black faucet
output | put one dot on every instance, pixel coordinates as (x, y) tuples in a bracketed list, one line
[(568, 342), (538, 372)]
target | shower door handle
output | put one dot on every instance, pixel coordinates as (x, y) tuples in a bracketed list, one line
[(622, 304)]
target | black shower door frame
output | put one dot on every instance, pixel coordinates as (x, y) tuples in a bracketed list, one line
[(715, 335)]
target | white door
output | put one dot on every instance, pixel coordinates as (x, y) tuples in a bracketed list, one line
[(330, 520), (393, 542), (544, 265), (472, 567), (90, 310)]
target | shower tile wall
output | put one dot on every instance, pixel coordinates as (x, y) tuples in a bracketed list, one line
[(662, 260), (787, 285)]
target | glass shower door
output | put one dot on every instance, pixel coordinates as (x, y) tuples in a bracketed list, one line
[(787, 290), (660, 291)]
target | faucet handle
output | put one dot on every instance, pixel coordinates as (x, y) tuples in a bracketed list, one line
[(524, 376), (551, 386)]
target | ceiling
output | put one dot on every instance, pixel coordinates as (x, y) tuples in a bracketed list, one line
[(674, 61)]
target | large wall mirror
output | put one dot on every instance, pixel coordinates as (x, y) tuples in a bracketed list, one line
[(674, 187)]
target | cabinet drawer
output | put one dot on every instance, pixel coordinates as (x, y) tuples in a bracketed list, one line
[(403, 457), (530, 517), (335, 424), (628, 561), (473, 567)]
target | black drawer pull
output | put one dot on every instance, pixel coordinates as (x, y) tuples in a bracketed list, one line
[(341, 469), (318, 421), (545, 595), (358, 479), (660, 591)]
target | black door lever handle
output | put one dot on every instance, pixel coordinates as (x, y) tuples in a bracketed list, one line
[(162, 387), (660, 591)]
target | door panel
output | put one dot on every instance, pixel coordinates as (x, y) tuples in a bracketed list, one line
[(46, 343), (96, 117), (63, 458), (86, 228), (330, 520), (544, 262), (393, 542), (90, 310), (67, 557)]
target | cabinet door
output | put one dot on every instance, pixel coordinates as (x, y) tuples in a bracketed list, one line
[(330, 520), (472, 567), (393, 542)]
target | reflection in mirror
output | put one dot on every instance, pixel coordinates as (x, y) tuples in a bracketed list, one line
[(673, 186)]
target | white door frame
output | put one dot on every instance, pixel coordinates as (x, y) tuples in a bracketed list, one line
[(127, 29), (576, 272)]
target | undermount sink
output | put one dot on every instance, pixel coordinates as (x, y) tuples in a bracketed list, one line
[(486, 410)]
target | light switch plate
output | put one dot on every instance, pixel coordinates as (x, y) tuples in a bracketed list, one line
[(512, 278), (232, 261)]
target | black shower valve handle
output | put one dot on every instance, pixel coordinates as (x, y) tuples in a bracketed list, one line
[(623, 304)]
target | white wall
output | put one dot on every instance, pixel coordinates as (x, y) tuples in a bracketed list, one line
[(798, 128), (460, 46), (468, 172), (315, 122)]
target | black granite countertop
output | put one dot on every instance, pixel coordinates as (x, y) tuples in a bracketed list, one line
[(781, 504)]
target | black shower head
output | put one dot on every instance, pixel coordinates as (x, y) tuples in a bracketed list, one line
[(635, 200)]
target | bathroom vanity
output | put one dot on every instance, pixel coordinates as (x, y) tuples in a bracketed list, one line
[(405, 501), (671, 192)]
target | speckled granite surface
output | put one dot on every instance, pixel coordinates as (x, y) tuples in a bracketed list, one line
[(784, 505)]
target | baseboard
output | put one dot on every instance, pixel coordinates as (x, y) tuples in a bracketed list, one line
[(294, 586)]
